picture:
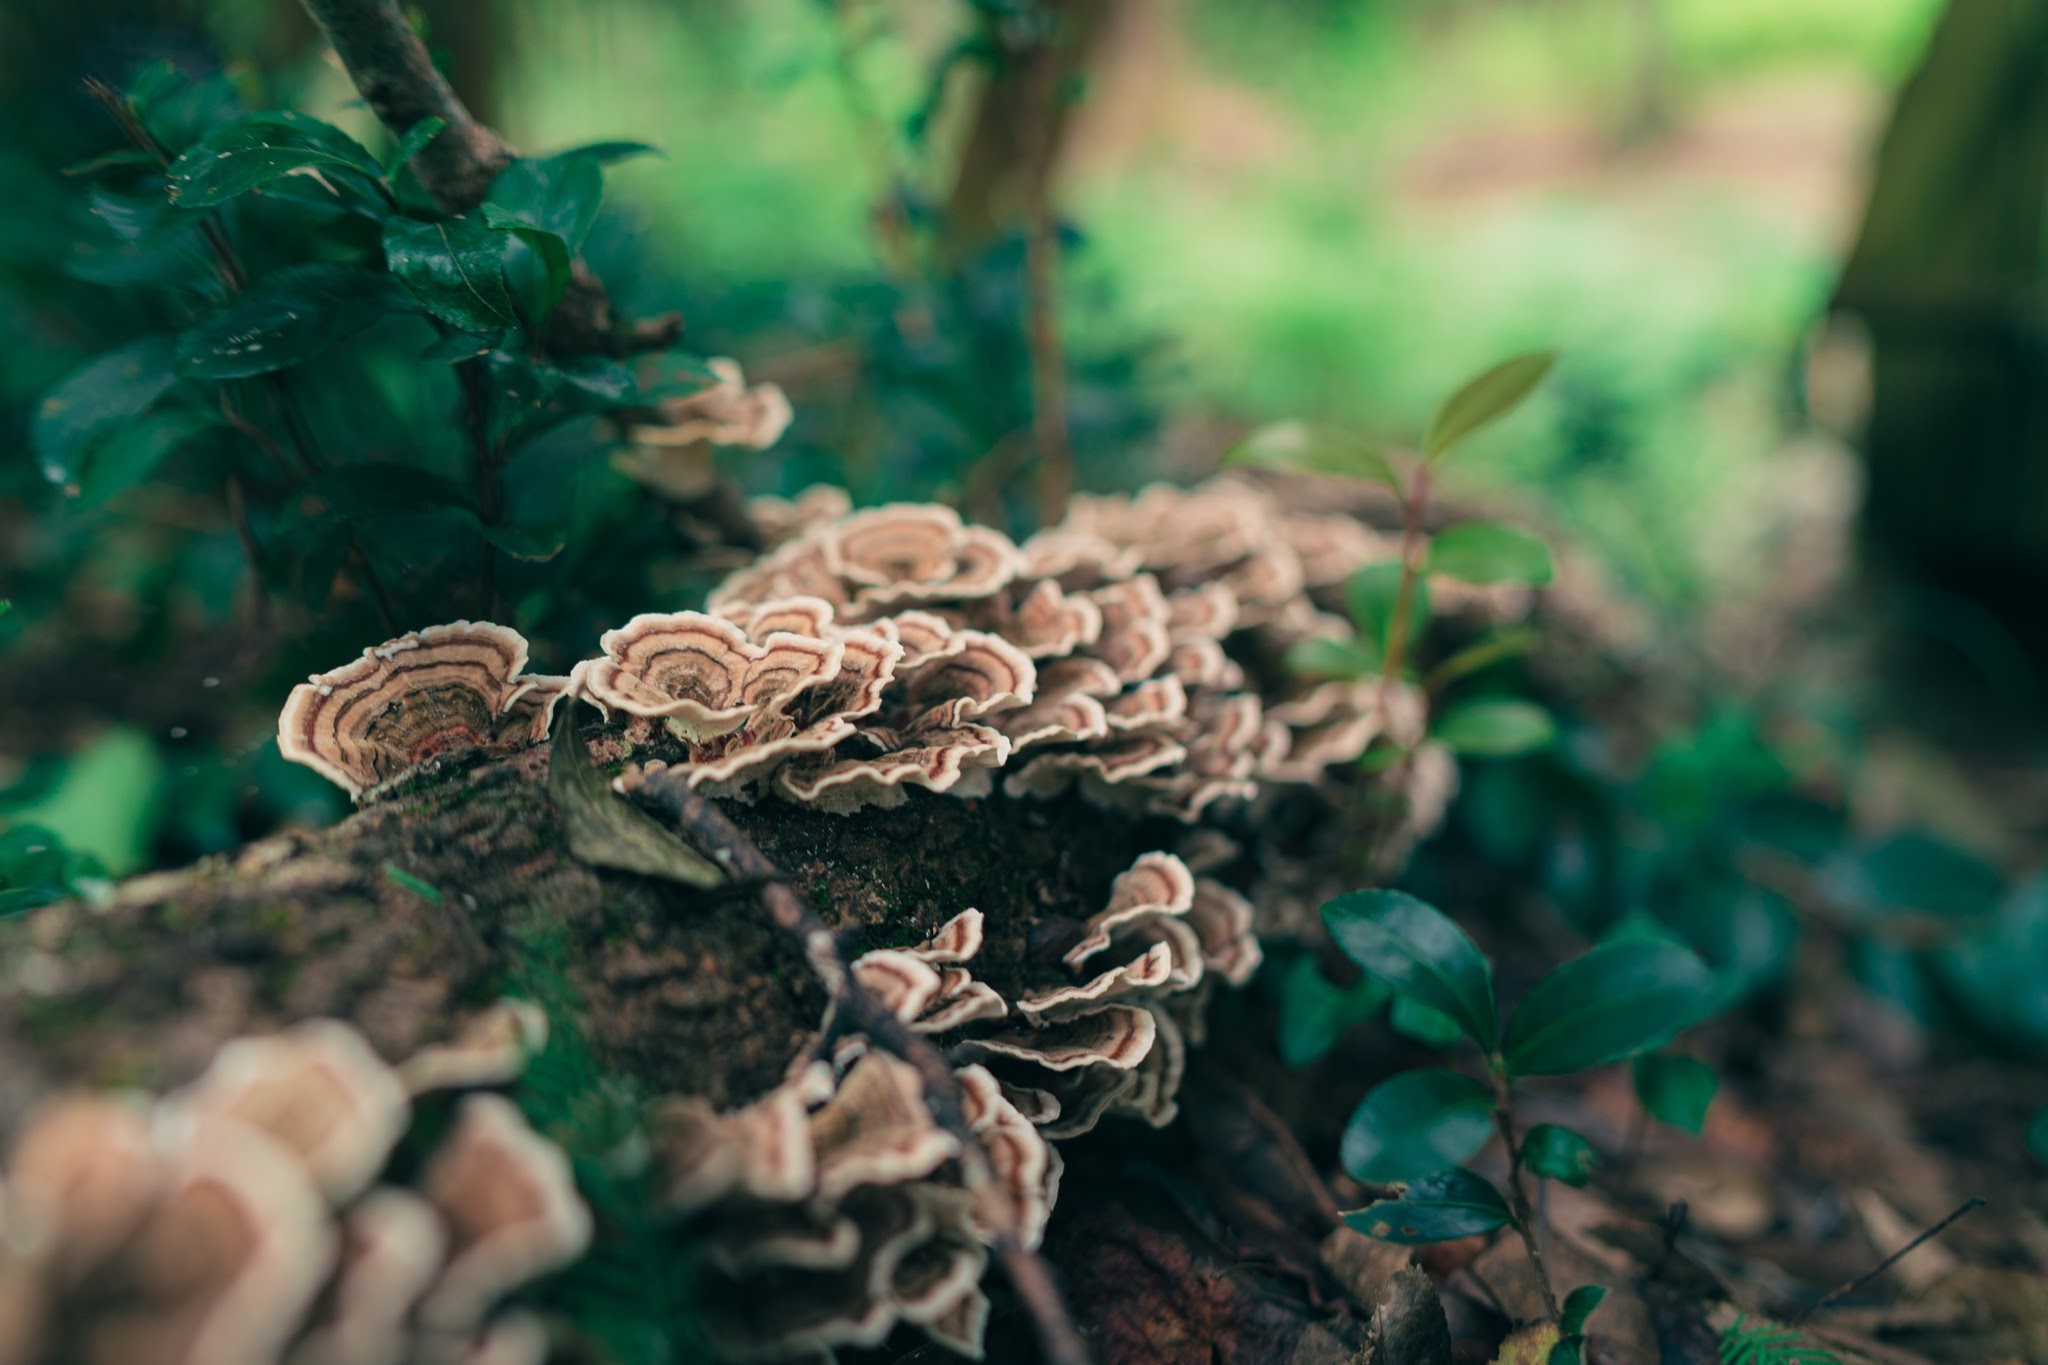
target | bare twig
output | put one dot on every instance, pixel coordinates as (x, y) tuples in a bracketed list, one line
[(1518, 1197), (1849, 1287), (854, 1009)]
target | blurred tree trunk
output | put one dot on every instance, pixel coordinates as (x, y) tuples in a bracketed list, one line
[(1946, 274)]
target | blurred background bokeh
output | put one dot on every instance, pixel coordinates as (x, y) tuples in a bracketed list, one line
[(1328, 210)]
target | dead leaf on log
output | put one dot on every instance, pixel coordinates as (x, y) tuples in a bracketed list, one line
[(605, 829)]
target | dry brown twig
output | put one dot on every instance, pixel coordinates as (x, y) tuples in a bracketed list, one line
[(855, 1010)]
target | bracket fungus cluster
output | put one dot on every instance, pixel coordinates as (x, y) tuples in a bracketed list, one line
[(244, 1218), (1128, 653), (831, 1208)]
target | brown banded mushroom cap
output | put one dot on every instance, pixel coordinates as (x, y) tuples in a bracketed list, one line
[(701, 674), (812, 616), (983, 675), (1078, 675), (1334, 723), (877, 1129), (225, 1266), (726, 412), (87, 1170), (1155, 1086), (1110, 762), (1151, 970), (1072, 719), (318, 1089), (510, 1203), (1023, 1165), (884, 764), (957, 940), (1157, 884), (1192, 532), (1042, 620), (392, 1245), (1151, 704), (961, 1001), (1135, 638), (1222, 921), (900, 982), (925, 637), (1116, 1037), (797, 569), (917, 552), (443, 688), (1078, 559), (762, 1150), (492, 1047), (1205, 611), (1333, 545), (784, 519), (1203, 664)]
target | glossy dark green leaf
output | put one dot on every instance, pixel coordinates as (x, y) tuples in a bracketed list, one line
[(1411, 1018), (1916, 873), (1495, 727), (1414, 1124), (558, 194), (1488, 552), (1325, 659), (455, 268), (1299, 446), (412, 144), (130, 454), (1485, 399), (549, 252), (1437, 1208), (1566, 1351), (1315, 1012), (1420, 951), (1557, 1153), (286, 320), (95, 398), (1624, 997), (1675, 1089), (254, 150), (610, 153), (460, 346), (1578, 1308)]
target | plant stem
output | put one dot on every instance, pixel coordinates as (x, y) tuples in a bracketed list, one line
[(1402, 620), (1518, 1197)]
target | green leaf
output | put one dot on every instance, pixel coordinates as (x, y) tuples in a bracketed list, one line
[(1578, 1307), (1314, 1013), (1420, 951), (94, 399), (1918, 873), (1624, 997), (125, 159), (1485, 399), (558, 194), (286, 320), (455, 268), (107, 801), (1489, 552), (1324, 659), (2037, 1136), (378, 491), (1411, 1018), (1415, 1124), (609, 153), (606, 829), (1675, 1089), (1566, 1351), (1483, 654), (1557, 1153), (425, 890), (1369, 598), (1317, 450), (237, 157), (1501, 727), (548, 249), (1437, 1208), (131, 454), (412, 144)]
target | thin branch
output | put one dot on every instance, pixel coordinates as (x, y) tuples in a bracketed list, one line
[(1849, 1287), (390, 66), (855, 1009), (1518, 1197)]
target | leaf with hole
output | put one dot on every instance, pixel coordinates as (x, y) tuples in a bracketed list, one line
[(1414, 1124), (1495, 727), (1486, 399), (1436, 1208), (455, 268), (1557, 1153), (94, 399), (287, 320), (1314, 1012), (1420, 951), (251, 151), (1486, 552), (1675, 1089), (1623, 998)]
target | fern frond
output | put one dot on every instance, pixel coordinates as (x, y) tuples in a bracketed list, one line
[(1769, 1343)]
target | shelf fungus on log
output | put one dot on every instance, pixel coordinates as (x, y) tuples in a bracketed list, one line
[(242, 1220), (448, 687)]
